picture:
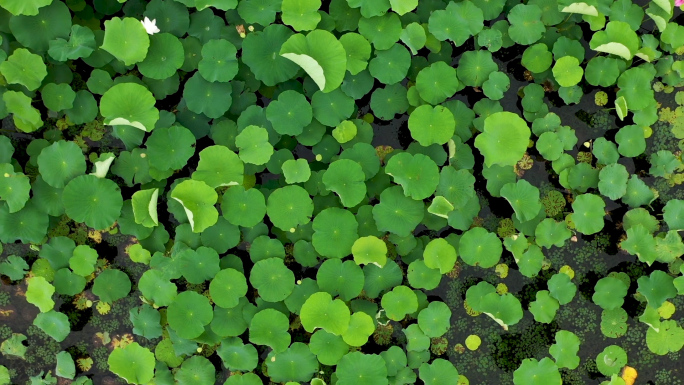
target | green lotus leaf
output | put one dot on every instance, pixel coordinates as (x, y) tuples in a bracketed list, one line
[(395, 360), (551, 233), (613, 181), (20, 7), (25, 68), (479, 247), (537, 58), (261, 53), (399, 302), (146, 321), (617, 39), (302, 15), (440, 254), (84, 110), (58, 97), (289, 207), (358, 51), (60, 162), (588, 213), (417, 174), (198, 265), (296, 363), (237, 356), (332, 108), (129, 104), (634, 84), (673, 214), (290, 113), (254, 146), (66, 368), (382, 29), (335, 231), (196, 370), (564, 351), (614, 322), (346, 178), (25, 117), (95, 201), (544, 308), (439, 372), (189, 313), (437, 82), (219, 166), (14, 187), (397, 213), (208, 98), (296, 171), (246, 378), (435, 319), (390, 66), (611, 360), (567, 71), (14, 346), (657, 288), (361, 327), (533, 372), (378, 280), (524, 198), (39, 293), (27, 225), (345, 131), (605, 152), (328, 348), (668, 338), (81, 44), (505, 310), (133, 363), (243, 207), (631, 141), (168, 148), (54, 324), (144, 203), (458, 22), (126, 39), (218, 63), (609, 293), (431, 125), (320, 54), (621, 107), (474, 67), (389, 101), (321, 311), (496, 85), (4, 374), (15, 267), (370, 250), (641, 243), (504, 139), (272, 279), (83, 260), (138, 254), (602, 71), (164, 57), (198, 200), (157, 288), (36, 31), (416, 340), (526, 24), (357, 368), (111, 285)]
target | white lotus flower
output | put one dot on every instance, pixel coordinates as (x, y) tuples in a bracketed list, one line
[(150, 25)]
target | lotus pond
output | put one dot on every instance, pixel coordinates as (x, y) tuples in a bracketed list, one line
[(352, 192)]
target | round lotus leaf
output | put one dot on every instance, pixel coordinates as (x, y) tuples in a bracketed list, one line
[(296, 171), (634, 86), (496, 85), (28, 8), (198, 200), (36, 31), (208, 98), (611, 360), (335, 231), (346, 178), (58, 97), (272, 279), (269, 327), (544, 308), (345, 131), (526, 25), (345, 279), (111, 285), (289, 207), (378, 280), (171, 16), (164, 57), (567, 71), (474, 67), (196, 370), (417, 341), (84, 109), (550, 146), (588, 213), (328, 348), (54, 324), (237, 356), (440, 254), (382, 30), (261, 53), (435, 319), (361, 327), (302, 16), (537, 58), (390, 66), (222, 236), (25, 68), (431, 125), (368, 250), (614, 322), (14, 187), (458, 22), (320, 54), (129, 104), (609, 293), (290, 113), (550, 233), (81, 44), (533, 372), (524, 198), (169, 148), (189, 313), (321, 311), (358, 51), (357, 368), (126, 39), (27, 225), (332, 108), (157, 288), (479, 247), (243, 207), (83, 260), (389, 101), (246, 378), (422, 277), (417, 174), (60, 162), (39, 293), (504, 140), (68, 283), (96, 202), (617, 39), (613, 181), (397, 213), (437, 371), (219, 166), (218, 63), (564, 351), (254, 146), (133, 363), (668, 338), (631, 141), (657, 288), (198, 265)]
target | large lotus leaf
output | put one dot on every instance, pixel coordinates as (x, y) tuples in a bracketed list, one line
[(439, 372), (458, 22), (382, 30), (397, 213), (243, 207), (328, 348), (609, 293), (297, 363), (189, 313), (290, 113), (377, 280), (390, 66), (58, 252), (14, 187), (431, 125), (634, 85), (673, 214), (640, 242), (146, 321), (320, 54), (526, 24), (219, 166), (302, 15), (36, 31), (144, 203), (83, 260), (27, 225), (524, 198), (474, 67), (126, 39), (261, 53), (358, 52), (129, 104), (81, 44), (321, 311), (613, 181), (95, 201), (346, 178), (505, 309), (164, 57), (435, 319), (399, 302), (544, 308), (25, 68), (533, 372), (196, 370), (168, 148), (111, 285), (58, 97), (422, 277), (479, 247), (456, 186), (289, 207), (133, 363), (335, 231), (198, 200), (440, 254), (618, 39), (631, 141), (332, 108), (25, 116), (246, 378), (416, 340), (39, 293), (198, 265), (567, 71), (254, 146), (564, 351), (668, 338), (212, 99), (417, 174), (657, 288), (345, 279), (236, 355), (357, 368), (272, 279), (218, 63), (588, 213), (389, 101), (361, 327), (504, 140), (269, 327), (537, 58), (60, 162)]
